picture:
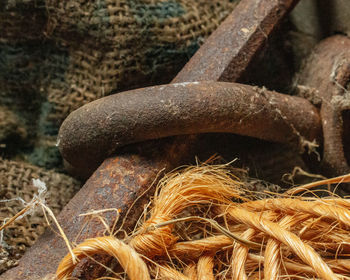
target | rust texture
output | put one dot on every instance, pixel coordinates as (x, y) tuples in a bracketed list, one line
[(241, 35), (328, 71), (134, 172), (102, 126), (111, 186)]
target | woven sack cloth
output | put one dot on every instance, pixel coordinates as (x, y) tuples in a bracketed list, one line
[(27, 71), (112, 45), (22, 20), (116, 45), (10, 125), (76, 51), (16, 181)]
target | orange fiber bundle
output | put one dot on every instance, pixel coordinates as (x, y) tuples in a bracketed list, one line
[(203, 226)]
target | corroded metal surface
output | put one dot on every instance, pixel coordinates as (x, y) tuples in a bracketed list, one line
[(328, 71), (241, 36), (102, 126), (133, 173), (111, 186), (224, 56)]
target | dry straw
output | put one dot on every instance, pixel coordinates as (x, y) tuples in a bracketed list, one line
[(202, 226)]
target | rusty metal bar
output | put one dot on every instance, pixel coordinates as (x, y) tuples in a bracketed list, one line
[(121, 179), (241, 36), (134, 116)]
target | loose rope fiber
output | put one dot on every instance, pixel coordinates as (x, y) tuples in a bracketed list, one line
[(131, 262), (202, 226)]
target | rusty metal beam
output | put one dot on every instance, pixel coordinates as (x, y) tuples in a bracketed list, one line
[(228, 52)]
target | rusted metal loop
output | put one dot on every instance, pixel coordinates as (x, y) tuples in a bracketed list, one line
[(328, 70), (97, 129)]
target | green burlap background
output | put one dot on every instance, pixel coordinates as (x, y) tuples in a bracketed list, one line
[(56, 56)]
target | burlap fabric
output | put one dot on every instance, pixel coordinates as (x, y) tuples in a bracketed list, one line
[(10, 124), (77, 51), (114, 45), (56, 56), (27, 71), (16, 181), (22, 20)]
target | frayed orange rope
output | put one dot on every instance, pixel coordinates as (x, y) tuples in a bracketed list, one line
[(202, 227), (239, 256), (320, 208), (205, 268), (131, 261), (191, 271), (336, 180), (302, 250), (194, 249), (272, 267), (197, 186), (165, 272)]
